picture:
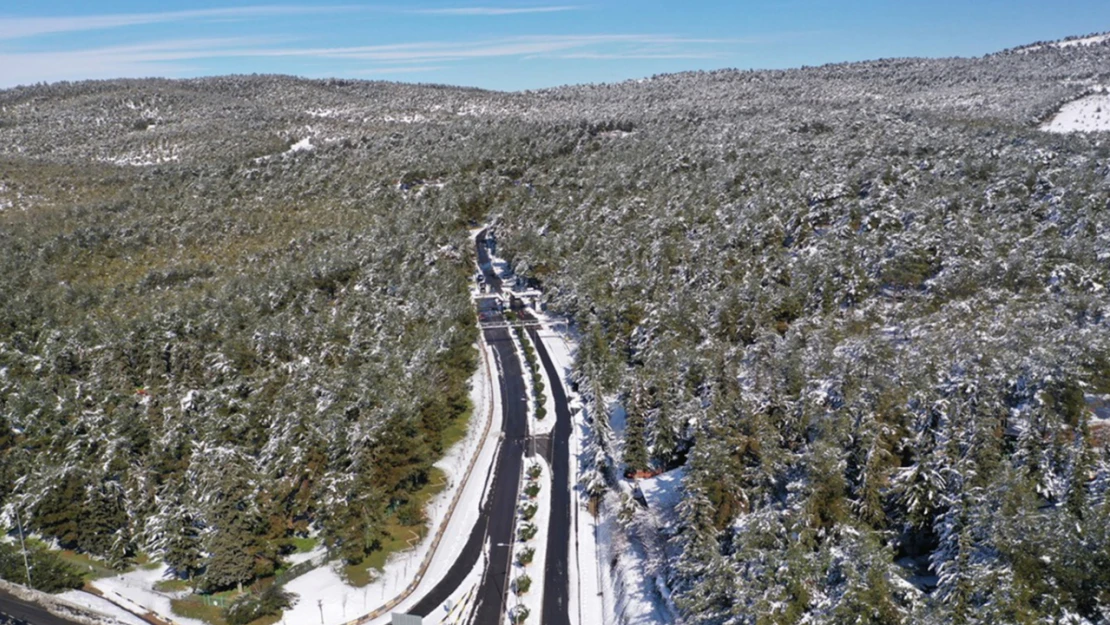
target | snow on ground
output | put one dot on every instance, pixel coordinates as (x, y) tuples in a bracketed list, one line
[(304, 145), (1069, 43), (587, 595), (469, 507), (297, 558), (533, 599), (1090, 113), (457, 608), (663, 493), (136, 590), (631, 591), (323, 590), (103, 606)]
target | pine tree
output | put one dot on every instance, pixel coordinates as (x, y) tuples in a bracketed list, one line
[(182, 550)]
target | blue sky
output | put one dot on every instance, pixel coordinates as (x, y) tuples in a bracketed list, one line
[(506, 45)]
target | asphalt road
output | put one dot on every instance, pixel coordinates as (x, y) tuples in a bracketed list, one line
[(556, 592), (15, 611), (496, 521)]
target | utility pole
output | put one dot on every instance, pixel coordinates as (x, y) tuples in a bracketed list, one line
[(23, 546)]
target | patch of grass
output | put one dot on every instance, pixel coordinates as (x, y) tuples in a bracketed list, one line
[(397, 536), (171, 585), (191, 607), (304, 545), (456, 431), (207, 608), (89, 567)]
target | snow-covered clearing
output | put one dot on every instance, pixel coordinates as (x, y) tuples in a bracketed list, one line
[(101, 605), (1091, 113), (663, 493), (136, 591)]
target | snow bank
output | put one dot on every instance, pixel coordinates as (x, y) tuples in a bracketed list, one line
[(101, 605), (1090, 113)]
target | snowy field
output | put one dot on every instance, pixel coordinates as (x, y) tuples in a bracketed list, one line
[(1087, 114)]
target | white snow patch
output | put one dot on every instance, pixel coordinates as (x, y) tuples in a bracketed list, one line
[(136, 589), (101, 605), (304, 145), (1091, 113), (664, 492), (1070, 43), (297, 558)]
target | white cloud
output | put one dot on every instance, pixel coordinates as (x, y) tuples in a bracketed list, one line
[(187, 56), (23, 27), (490, 48), (496, 10)]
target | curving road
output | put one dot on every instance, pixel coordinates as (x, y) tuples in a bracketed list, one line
[(498, 512), (15, 611)]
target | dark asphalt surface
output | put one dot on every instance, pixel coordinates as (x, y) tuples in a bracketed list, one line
[(498, 513), (15, 611), (556, 593)]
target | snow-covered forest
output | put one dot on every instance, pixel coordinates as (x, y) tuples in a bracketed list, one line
[(864, 305)]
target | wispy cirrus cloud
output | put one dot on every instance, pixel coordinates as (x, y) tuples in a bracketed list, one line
[(521, 46), (486, 10), (190, 55), (24, 27)]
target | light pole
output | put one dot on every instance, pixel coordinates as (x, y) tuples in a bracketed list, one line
[(320, 604), (23, 546)]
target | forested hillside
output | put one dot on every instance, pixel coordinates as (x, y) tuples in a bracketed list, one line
[(865, 305)]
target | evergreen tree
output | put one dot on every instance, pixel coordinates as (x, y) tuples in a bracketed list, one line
[(182, 545)]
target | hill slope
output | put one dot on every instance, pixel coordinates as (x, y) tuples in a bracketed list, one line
[(864, 304)]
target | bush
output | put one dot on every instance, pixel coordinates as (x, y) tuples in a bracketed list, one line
[(541, 411), (532, 489), (534, 471), (49, 573), (527, 511), (524, 558), (519, 614), (528, 531), (251, 606), (522, 584)]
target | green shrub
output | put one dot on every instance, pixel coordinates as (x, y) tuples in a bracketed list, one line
[(532, 490), (528, 531), (519, 614), (522, 584), (528, 510), (251, 606), (525, 556), (49, 573)]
